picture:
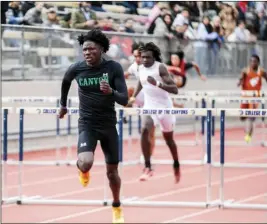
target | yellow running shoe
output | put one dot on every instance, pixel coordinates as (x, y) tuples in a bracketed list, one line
[(84, 178), (117, 215), (248, 138)]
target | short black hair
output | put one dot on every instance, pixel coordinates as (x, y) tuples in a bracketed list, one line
[(256, 56), (97, 36), (136, 46), (179, 53), (154, 48)]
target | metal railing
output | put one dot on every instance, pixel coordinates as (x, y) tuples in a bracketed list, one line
[(45, 53)]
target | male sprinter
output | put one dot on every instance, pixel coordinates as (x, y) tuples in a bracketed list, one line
[(101, 83), (133, 70), (251, 80), (156, 83)]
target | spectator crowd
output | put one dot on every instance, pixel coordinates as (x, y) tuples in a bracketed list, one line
[(214, 21)]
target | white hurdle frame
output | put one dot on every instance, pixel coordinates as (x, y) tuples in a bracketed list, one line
[(199, 96), (5, 199), (256, 100), (126, 202), (235, 113), (180, 112), (67, 161)]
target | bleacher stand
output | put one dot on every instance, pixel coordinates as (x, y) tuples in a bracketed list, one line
[(176, 23)]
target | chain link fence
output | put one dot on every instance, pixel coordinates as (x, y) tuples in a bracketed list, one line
[(39, 53)]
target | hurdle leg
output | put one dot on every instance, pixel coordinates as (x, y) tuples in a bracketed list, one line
[(222, 150), (263, 133), (130, 139), (208, 134), (203, 123), (69, 148), (105, 190), (5, 156), (21, 141), (196, 126), (57, 136), (4, 181)]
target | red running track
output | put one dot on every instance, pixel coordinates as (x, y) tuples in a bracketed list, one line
[(242, 185)]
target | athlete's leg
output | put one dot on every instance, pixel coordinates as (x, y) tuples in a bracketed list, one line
[(110, 146), (250, 121), (167, 124), (248, 127), (86, 146), (152, 139), (146, 144)]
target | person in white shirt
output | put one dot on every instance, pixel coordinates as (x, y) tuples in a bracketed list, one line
[(156, 84), (133, 70)]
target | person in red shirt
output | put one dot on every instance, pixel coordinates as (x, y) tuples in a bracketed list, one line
[(251, 80), (178, 67)]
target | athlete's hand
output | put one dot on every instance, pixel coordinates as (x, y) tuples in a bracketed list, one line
[(130, 102), (62, 112), (151, 80), (203, 77), (105, 87)]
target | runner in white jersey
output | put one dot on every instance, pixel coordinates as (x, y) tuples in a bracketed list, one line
[(156, 83), (133, 70)]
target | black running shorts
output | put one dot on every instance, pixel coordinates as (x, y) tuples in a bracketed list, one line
[(88, 138)]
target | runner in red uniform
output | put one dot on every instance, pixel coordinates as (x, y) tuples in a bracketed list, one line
[(251, 80)]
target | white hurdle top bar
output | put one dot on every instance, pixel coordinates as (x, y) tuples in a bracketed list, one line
[(176, 97), (138, 111)]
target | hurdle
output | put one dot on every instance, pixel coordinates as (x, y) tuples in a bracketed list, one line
[(5, 199), (235, 112), (254, 100), (126, 202), (226, 93), (71, 100), (131, 136), (179, 112)]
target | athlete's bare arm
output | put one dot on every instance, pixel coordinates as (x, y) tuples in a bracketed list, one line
[(242, 77), (168, 83), (137, 89), (196, 67), (136, 92)]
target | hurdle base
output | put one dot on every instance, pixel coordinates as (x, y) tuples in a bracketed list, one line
[(180, 143), (241, 165), (63, 163), (11, 200), (15, 200), (131, 202), (182, 162), (241, 143), (227, 205)]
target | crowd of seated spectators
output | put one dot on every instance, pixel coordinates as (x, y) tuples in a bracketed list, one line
[(223, 21)]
